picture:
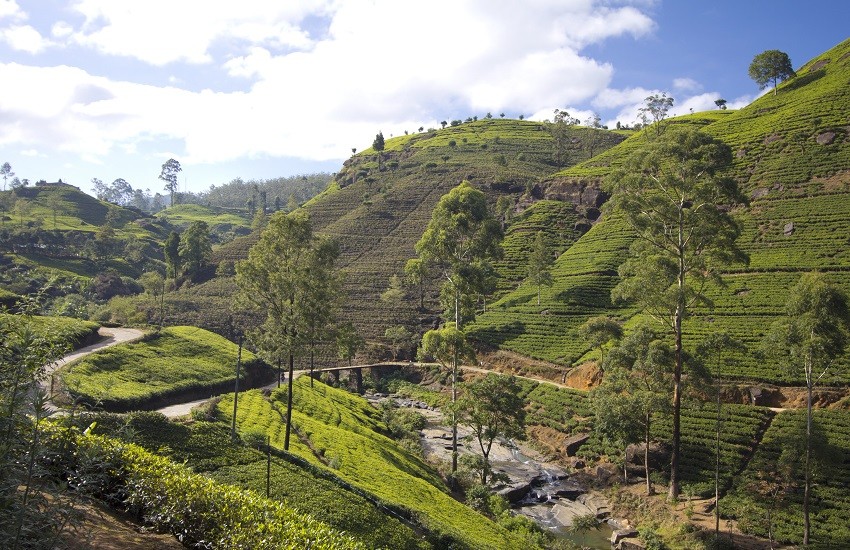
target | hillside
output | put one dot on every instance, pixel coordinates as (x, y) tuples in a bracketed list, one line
[(792, 156), (379, 214)]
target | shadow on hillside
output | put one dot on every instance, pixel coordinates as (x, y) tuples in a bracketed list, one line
[(499, 334), (805, 80)]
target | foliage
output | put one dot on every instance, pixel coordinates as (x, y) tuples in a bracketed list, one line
[(772, 482), (492, 407), (199, 510), (673, 194), (633, 393), (814, 332), (170, 169), (332, 423), (177, 361), (33, 510), (195, 248), (538, 264), (771, 66), (459, 241)]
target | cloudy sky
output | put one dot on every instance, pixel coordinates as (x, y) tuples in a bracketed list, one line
[(258, 89)]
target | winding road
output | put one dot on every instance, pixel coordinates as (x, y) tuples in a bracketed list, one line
[(111, 337)]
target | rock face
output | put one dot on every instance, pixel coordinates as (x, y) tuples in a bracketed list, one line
[(573, 444), (577, 192), (659, 456)]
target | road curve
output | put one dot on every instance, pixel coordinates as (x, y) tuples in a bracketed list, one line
[(111, 337)]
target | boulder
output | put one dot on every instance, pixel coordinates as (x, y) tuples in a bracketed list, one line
[(619, 535), (788, 230), (573, 443), (631, 543), (659, 456)]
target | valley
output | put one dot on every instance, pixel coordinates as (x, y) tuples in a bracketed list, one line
[(496, 334)]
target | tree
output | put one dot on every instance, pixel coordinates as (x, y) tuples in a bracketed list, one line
[(448, 346), (600, 330), (458, 242), (378, 146), (492, 407), (416, 274), (538, 264), (169, 175), (195, 247), (721, 103), (6, 173), (35, 512), (504, 210), (812, 335), (348, 343), (771, 66), (400, 339), (656, 106), (674, 194), (634, 393), (171, 251), (284, 271), (120, 192), (561, 135), (154, 284), (714, 351), (394, 294)]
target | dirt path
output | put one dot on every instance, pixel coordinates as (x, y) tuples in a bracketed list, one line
[(111, 337)]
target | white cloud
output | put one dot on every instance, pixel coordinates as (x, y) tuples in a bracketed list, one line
[(314, 92), (24, 38), (163, 31), (11, 9), (685, 84)]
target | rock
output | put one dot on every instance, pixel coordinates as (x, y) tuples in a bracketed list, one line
[(619, 535), (659, 456), (596, 503), (573, 444), (607, 472), (631, 544), (515, 493), (566, 511), (788, 230), (825, 138)]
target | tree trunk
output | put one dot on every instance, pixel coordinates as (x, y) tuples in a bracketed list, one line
[(236, 390), (454, 390), (649, 490), (673, 493), (807, 464), (289, 403), (717, 468), (311, 363)]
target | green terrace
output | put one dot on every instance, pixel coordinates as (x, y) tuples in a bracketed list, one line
[(341, 432), (776, 468), (175, 362)]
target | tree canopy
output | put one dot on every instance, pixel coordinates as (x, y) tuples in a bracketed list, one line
[(771, 66), (459, 241), (675, 195)]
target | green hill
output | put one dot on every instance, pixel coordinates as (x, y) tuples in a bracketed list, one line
[(791, 157)]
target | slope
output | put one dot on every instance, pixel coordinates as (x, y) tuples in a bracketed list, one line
[(792, 156)]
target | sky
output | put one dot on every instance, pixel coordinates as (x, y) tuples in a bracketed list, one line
[(258, 89)]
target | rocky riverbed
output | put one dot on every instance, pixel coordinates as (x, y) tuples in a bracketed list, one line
[(538, 489)]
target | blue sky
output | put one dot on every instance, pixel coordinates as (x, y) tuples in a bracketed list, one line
[(256, 89)]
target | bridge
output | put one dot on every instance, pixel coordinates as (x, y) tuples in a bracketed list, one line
[(357, 370)]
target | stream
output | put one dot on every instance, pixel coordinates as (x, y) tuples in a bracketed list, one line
[(553, 499), (537, 489)]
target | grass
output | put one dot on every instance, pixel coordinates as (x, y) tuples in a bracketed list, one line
[(206, 447), (341, 432), (176, 361), (181, 215), (778, 464)]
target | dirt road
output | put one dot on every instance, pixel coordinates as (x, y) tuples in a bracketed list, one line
[(111, 337)]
